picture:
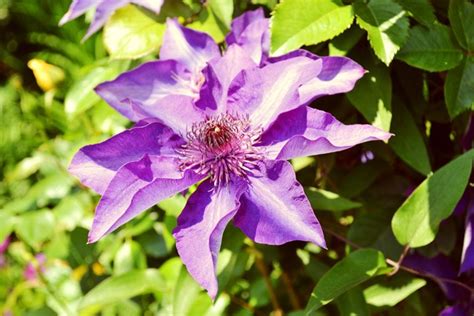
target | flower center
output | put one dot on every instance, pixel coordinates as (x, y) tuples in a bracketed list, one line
[(221, 147)]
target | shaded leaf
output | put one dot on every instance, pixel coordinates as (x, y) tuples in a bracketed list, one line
[(408, 141), (421, 10), (461, 16), (416, 222), (342, 44), (431, 49), (357, 267), (352, 303), (386, 25), (459, 88), (306, 22)]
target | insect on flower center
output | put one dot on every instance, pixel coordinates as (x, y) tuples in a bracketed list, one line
[(221, 146)]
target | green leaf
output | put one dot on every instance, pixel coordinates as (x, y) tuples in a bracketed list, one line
[(386, 25), (329, 201), (421, 10), (408, 141), (361, 177), (459, 88), (357, 267), (131, 34), (431, 49), (393, 290), (223, 10), (306, 22), (35, 227), (416, 222), (129, 257), (376, 105), (342, 44), (121, 287), (209, 23), (185, 287), (8, 222), (352, 303), (81, 96), (461, 16)]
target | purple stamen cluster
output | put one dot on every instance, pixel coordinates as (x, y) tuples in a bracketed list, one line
[(221, 146)]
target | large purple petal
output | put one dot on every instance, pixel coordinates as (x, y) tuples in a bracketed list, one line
[(191, 48), (159, 89), (306, 131), (77, 8), (264, 93), (275, 210), (338, 75), (219, 74), (251, 32), (136, 187), (96, 165), (200, 228), (467, 259)]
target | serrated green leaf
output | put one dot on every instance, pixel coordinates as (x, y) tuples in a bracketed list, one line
[(131, 34), (357, 267), (416, 222), (386, 24), (375, 106), (461, 16), (408, 141), (421, 10), (431, 49), (329, 201), (306, 22), (121, 287), (392, 291), (459, 88)]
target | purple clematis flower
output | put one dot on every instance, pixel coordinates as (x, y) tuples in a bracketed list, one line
[(180, 72), (103, 10), (234, 140)]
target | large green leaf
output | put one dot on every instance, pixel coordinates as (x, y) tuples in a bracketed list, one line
[(329, 201), (392, 291), (408, 141), (459, 88), (131, 34), (306, 22), (461, 16), (223, 10), (376, 105), (121, 287), (81, 96), (386, 24), (351, 271), (209, 23), (416, 222), (432, 49), (35, 227), (421, 10)]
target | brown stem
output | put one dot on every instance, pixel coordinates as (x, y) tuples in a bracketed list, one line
[(295, 303), (398, 264), (268, 283)]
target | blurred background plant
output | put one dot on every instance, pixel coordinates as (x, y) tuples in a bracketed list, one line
[(420, 86)]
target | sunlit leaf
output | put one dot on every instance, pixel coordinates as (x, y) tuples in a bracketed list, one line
[(416, 222)]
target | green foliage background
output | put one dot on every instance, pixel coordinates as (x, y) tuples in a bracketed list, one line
[(419, 86)]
